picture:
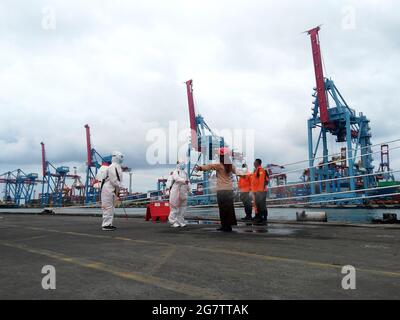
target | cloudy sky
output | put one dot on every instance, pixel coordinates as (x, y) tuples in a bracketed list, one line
[(120, 66)]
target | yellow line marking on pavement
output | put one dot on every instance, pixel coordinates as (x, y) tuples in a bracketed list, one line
[(98, 236), (68, 232), (31, 238), (134, 240), (4, 226), (183, 288), (165, 256), (297, 261), (231, 252)]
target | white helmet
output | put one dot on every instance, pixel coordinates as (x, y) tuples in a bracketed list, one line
[(117, 157)]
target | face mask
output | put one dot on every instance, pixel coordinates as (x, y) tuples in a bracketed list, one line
[(181, 166), (118, 159)]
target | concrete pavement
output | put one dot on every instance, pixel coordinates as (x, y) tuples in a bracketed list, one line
[(142, 260)]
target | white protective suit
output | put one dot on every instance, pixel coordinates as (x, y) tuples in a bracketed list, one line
[(178, 196), (111, 188)]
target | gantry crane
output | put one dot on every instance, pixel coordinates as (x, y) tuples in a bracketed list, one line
[(54, 188), (53, 181), (204, 142), (19, 186), (77, 189), (385, 172), (342, 122)]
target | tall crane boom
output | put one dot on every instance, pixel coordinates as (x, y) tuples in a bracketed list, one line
[(44, 165), (88, 146), (192, 116), (319, 77)]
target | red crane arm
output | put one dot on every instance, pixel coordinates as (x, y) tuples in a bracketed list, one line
[(88, 146), (43, 159), (319, 76), (192, 115)]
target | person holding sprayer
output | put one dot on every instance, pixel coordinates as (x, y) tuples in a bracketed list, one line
[(225, 197)]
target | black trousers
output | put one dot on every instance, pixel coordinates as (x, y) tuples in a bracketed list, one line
[(261, 204), (226, 208), (247, 203)]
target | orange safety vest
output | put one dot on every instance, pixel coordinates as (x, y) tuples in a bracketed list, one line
[(244, 183), (259, 184)]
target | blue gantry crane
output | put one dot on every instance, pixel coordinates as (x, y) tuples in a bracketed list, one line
[(19, 187), (93, 164), (332, 115), (53, 184)]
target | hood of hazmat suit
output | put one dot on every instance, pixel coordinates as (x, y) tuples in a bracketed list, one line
[(117, 157)]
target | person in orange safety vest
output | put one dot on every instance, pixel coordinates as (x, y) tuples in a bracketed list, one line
[(259, 183), (244, 185)]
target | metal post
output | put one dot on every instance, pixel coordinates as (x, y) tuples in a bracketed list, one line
[(189, 163), (130, 182), (325, 170), (350, 152), (311, 156)]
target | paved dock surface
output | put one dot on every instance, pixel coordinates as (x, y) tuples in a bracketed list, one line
[(142, 260)]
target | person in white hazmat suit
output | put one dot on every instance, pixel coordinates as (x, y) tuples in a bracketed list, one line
[(111, 184), (178, 185)]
